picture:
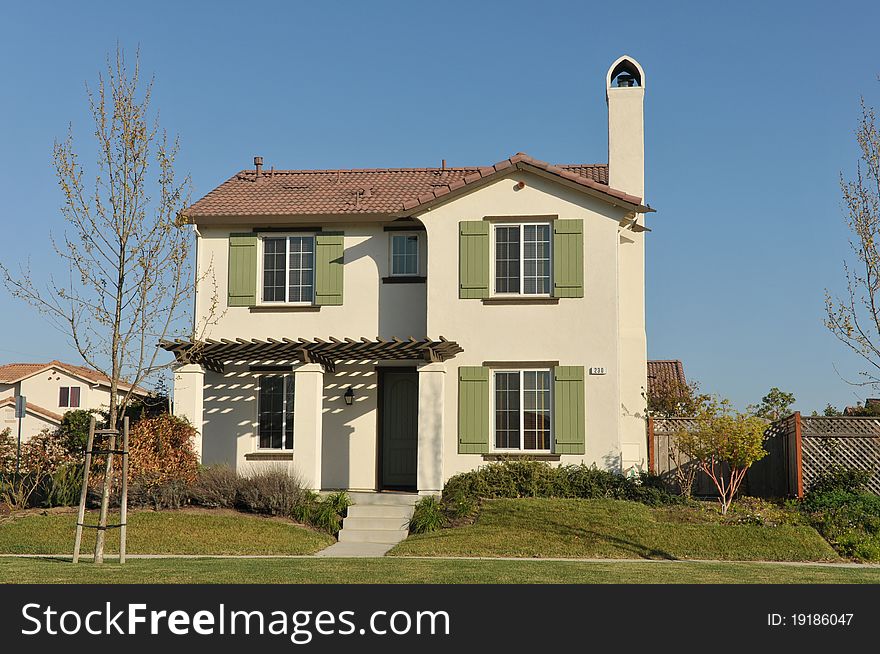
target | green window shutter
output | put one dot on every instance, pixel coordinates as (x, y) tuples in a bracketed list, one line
[(473, 252), (242, 280), (568, 409), (329, 253), (473, 409), (568, 258)]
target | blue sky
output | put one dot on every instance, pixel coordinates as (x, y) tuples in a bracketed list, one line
[(750, 113)]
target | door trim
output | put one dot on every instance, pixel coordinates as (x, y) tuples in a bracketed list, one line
[(380, 427)]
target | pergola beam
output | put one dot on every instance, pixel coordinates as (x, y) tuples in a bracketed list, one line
[(214, 353)]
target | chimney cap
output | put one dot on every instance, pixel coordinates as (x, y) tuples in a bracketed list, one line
[(628, 66)]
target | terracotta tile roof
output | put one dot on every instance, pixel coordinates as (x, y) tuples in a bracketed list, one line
[(33, 408), (664, 372), (12, 372), (370, 190)]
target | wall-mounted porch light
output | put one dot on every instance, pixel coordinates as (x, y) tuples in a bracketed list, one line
[(349, 396)]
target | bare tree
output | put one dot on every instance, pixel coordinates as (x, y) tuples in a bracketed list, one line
[(129, 276), (854, 318)]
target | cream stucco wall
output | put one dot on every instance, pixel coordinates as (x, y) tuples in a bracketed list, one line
[(576, 331), (366, 256)]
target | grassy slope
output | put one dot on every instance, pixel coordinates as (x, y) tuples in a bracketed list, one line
[(613, 529), (165, 532), (382, 571)]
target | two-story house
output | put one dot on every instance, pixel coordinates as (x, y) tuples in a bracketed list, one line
[(388, 328), (51, 390)]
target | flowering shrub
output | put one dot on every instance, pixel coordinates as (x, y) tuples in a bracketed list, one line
[(162, 461)]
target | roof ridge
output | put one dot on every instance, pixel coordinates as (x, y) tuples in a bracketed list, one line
[(324, 171), (396, 169)]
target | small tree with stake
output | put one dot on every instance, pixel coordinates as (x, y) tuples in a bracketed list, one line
[(128, 259), (725, 444)]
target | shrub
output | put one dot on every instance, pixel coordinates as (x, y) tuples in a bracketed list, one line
[(43, 456), (162, 462), (215, 487), (846, 516), (270, 492), (8, 447), (840, 478), (328, 513), (45, 453), (65, 485), (528, 478), (427, 515), (74, 430)]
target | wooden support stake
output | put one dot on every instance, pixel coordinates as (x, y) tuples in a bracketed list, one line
[(123, 508), (81, 515)]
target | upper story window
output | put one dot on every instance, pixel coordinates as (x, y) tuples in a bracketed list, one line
[(289, 269), (404, 255), (68, 397), (522, 259)]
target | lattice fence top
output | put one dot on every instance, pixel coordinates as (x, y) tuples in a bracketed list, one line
[(841, 426), (673, 425)]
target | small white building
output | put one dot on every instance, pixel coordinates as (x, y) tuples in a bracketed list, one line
[(389, 328), (51, 389)]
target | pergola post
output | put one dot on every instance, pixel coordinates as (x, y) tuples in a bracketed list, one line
[(432, 383), (189, 398), (308, 405)]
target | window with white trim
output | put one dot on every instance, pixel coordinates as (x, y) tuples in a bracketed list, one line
[(523, 410), (275, 412), (404, 255), (289, 269), (68, 397), (522, 259)]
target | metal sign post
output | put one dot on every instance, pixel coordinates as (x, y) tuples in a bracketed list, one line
[(20, 408)]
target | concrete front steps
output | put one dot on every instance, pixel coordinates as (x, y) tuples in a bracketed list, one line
[(374, 524)]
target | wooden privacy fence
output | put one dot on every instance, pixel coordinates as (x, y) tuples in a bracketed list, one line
[(799, 449)]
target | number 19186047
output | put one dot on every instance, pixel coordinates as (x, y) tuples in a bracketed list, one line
[(810, 619)]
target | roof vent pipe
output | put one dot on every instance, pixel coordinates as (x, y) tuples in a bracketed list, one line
[(443, 165), (258, 164)]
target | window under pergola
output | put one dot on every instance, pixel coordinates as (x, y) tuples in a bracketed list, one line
[(213, 354)]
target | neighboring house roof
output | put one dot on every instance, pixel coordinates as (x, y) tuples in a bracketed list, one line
[(12, 373), (662, 372), (372, 191), (33, 408)]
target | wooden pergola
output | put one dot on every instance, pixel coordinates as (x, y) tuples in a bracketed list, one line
[(213, 354)]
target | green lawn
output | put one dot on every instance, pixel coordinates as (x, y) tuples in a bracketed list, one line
[(164, 532), (417, 571), (614, 529)]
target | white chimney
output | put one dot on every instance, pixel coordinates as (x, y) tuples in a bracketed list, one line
[(625, 93)]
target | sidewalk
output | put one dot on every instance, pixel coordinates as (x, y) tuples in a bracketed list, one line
[(363, 554)]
